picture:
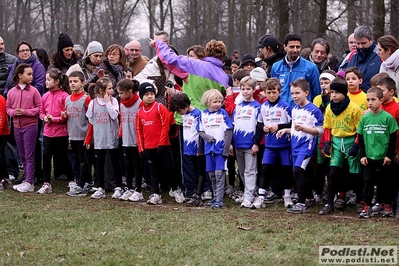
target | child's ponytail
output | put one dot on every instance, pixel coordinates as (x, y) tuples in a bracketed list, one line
[(56, 74)]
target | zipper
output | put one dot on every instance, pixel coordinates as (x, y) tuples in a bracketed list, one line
[(20, 104)]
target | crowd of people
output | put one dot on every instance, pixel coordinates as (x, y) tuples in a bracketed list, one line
[(302, 127)]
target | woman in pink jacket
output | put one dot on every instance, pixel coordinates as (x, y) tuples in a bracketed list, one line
[(55, 133), (23, 105)]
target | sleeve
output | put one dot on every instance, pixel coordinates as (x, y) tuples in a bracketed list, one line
[(229, 104), (259, 133), (391, 145), (35, 110), (178, 65), (228, 135), (90, 112), (362, 147), (93, 78), (120, 126), (139, 133), (40, 78), (113, 108), (43, 113), (315, 87), (59, 119), (89, 135), (165, 122)]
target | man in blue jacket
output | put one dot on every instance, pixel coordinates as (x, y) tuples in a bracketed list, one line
[(293, 67), (365, 57)]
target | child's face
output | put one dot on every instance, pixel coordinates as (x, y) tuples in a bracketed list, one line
[(247, 92), (373, 102), (386, 94), (75, 84), (109, 90), (299, 96), (234, 67), (215, 104), (325, 84), (51, 83), (149, 98), (272, 94), (183, 111), (353, 81), (26, 77), (336, 96), (124, 95)]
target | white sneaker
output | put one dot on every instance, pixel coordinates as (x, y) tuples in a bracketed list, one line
[(6, 183), (178, 195), (136, 196), (11, 177), (117, 193), (154, 199), (72, 187), (126, 194), (45, 189), (207, 195), (258, 203), (288, 202), (246, 204), (99, 194), (26, 187), (240, 199)]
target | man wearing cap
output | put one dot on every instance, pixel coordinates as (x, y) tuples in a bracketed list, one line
[(135, 60), (293, 67), (272, 51), (92, 58), (5, 60), (248, 62), (319, 50)]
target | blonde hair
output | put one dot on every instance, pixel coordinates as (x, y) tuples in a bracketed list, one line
[(249, 81), (210, 95)]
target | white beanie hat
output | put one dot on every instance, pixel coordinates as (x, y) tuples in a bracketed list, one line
[(258, 74), (94, 47)]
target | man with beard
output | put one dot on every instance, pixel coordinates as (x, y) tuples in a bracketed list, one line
[(293, 67), (365, 58), (5, 60), (135, 60)]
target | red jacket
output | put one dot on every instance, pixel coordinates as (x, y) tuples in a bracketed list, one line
[(4, 128), (152, 126)]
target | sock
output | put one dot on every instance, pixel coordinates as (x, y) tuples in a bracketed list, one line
[(287, 192)]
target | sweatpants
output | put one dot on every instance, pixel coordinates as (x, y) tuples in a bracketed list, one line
[(247, 165), (114, 167), (56, 148), (79, 150), (25, 139)]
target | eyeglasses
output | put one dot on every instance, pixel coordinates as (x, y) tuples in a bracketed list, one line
[(113, 54), (24, 51)]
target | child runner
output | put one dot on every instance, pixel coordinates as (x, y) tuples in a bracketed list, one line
[(244, 119), (377, 139), (129, 104), (354, 78), (76, 106), (216, 129), (103, 112), (152, 127), (55, 132), (193, 145), (23, 105), (307, 124)]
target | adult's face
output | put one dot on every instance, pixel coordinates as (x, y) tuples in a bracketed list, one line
[(133, 50), (384, 54), (67, 52), (293, 50), (95, 58), (2, 47), (363, 42), (319, 53), (24, 52), (351, 42), (114, 56)]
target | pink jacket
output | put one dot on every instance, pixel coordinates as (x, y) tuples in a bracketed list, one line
[(28, 100), (53, 103)]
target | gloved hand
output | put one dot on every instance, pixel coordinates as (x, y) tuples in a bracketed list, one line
[(325, 98), (327, 146), (354, 150)]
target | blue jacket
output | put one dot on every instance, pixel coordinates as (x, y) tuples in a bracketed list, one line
[(368, 62), (300, 69)]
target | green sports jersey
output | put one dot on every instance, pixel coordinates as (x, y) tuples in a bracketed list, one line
[(376, 130)]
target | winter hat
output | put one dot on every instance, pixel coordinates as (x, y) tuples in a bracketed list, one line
[(144, 88), (341, 88), (94, 47), (64, 41), (341, 73), (258, 74), (269, 41), (247, 58)]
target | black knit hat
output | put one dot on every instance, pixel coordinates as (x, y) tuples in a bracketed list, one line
[(144, 88), (64, 41), (341, 88)]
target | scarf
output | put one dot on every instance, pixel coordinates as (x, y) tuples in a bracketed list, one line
[(29, 61), (338, 108), (363, 53), (128, 103), (118, 70), (392, 62)]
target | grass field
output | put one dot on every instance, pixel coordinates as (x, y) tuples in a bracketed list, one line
[(59, 230)]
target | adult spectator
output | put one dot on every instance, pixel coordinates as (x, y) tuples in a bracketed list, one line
[(42, 55), (5, 60), (319, 50), (25, 55), (293, 67), (196, 51), (92, 58), (272, 51), (65, 57), (248, 62), (236, 55), (365, 58), (134, 58), (351, 48), (79, 50), (388, 50)]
